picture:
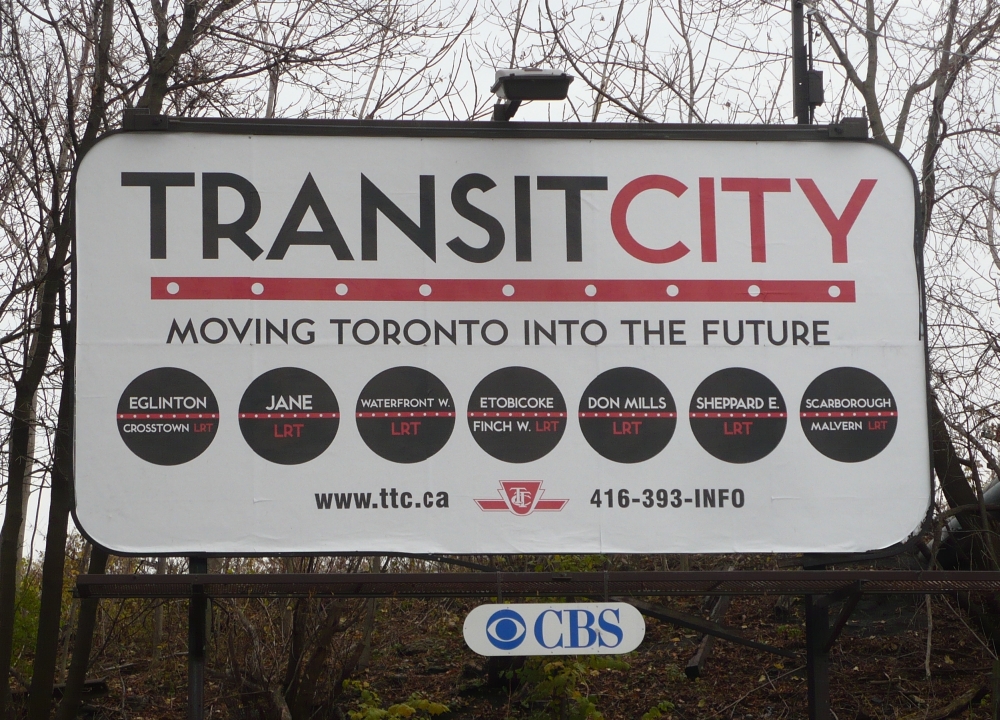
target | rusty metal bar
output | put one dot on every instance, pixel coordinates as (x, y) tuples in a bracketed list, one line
[(539, 585), (697, 662), (845, 614)]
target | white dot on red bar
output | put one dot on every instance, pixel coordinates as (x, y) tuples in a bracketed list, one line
[(341, 289), (753, 291), (507, 290), (425, 290), (257, 288), (834, 291), (672, 290), (173, 288), (591, 290)]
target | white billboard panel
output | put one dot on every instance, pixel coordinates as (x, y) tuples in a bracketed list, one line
[(497, 344)]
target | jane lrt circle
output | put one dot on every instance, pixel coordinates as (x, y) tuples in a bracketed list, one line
[(289, 416)]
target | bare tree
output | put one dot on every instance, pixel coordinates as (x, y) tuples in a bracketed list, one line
[(67, 73), (923, 79)]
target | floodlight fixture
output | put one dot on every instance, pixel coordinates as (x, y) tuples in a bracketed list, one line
[(513, 86)]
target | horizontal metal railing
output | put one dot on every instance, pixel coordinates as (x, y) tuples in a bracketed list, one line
[(536, 584)]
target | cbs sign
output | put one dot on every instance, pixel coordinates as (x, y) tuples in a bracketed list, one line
[(554, 629)]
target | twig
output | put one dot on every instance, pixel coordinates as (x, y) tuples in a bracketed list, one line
[(973, 632), (952, 708), (930, 629), (759, 687)]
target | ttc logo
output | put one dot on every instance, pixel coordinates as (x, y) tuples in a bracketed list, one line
[(521, 497), (576, 629)]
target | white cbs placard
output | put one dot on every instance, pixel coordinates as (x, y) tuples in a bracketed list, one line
[(361, 341), (610, 628)]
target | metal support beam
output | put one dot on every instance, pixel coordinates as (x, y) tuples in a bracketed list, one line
[(697, 663), (197, 607), (504, 111), (539, 585), (818, 657), (694, 622), (800, 79), (845, 614)]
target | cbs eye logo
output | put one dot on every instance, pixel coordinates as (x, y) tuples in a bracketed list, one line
[(506, 629)]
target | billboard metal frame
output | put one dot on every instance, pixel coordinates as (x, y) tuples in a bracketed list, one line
[(821, 589)]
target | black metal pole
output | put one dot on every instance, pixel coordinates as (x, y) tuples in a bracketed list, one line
[(818, 658), (196, 644), (800, 81)]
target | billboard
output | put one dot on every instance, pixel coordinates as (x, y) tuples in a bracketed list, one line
[(481, 340)]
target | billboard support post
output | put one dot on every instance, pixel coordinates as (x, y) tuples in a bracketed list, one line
[(818, 657), (197, 614), (800, 87)]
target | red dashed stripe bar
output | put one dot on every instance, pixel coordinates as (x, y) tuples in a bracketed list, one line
[(628, 415), (488, 290), (289, 416), (404, 414), (864, 414), (168, 416), (726, 416), (517, 414)]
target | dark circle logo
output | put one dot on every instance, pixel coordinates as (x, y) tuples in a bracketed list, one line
[(168, 416), (738, 415), (506, 629), (627, 415), (517, 414), (405, 414), (848, 414), (289, 416)]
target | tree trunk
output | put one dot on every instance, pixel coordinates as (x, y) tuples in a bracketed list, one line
[(954, 483), (74, 613), (161, 569), (167, 57), (375, 566), (305, 696), (29, 466), (60, 503), (70, 702), (29, 458), (26, 387)]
